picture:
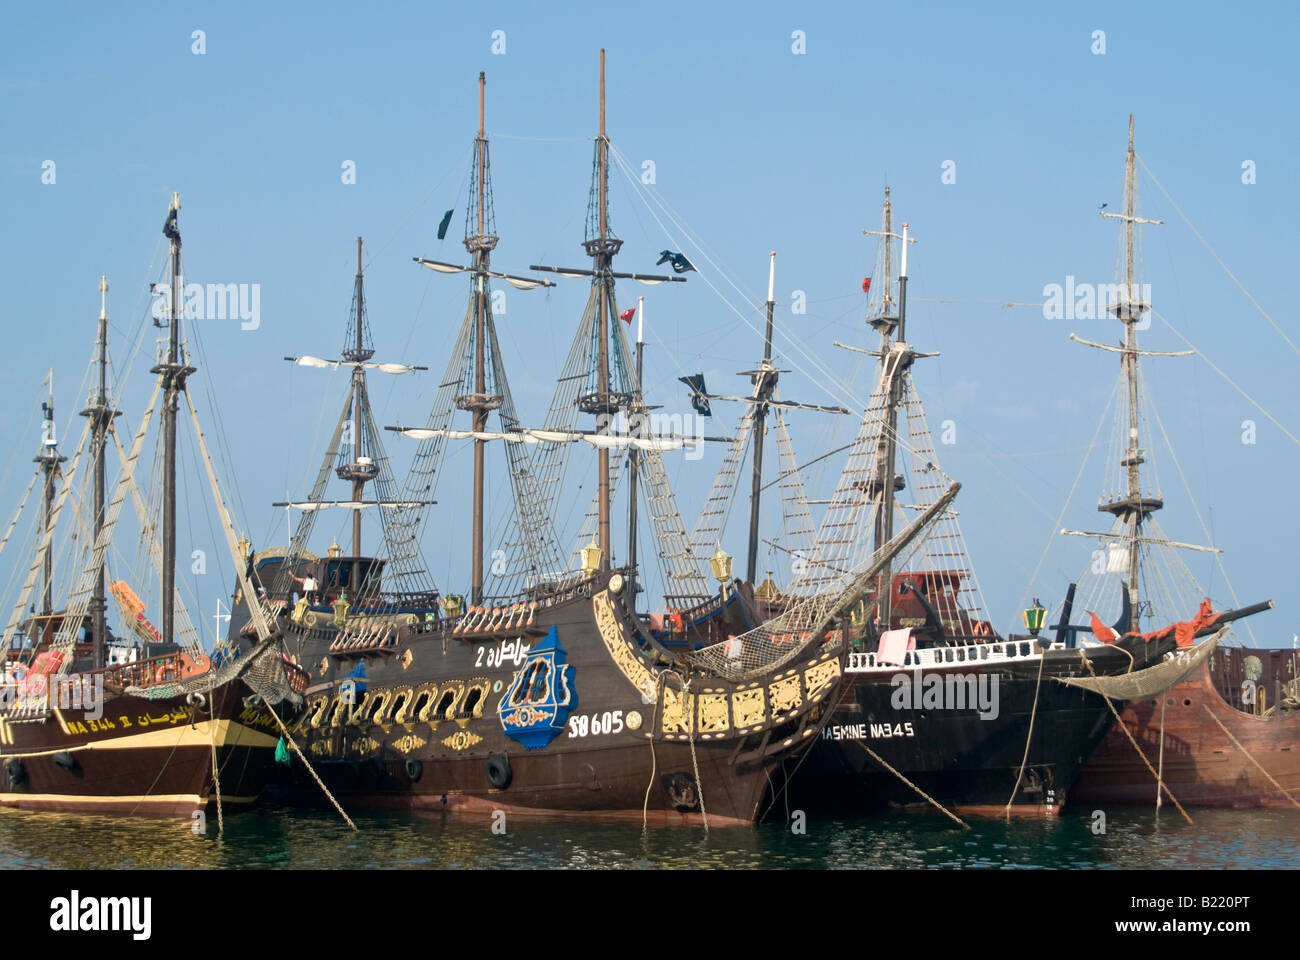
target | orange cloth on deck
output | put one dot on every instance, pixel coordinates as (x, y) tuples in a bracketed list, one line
[(1102, 632)]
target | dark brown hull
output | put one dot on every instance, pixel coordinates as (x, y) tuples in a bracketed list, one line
[(620, 783), (1201, 764), (624, 741), (142, 757)]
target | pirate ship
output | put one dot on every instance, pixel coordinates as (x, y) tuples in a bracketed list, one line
[(1212, 740), (151, 726), (938, 709), (546, 690)]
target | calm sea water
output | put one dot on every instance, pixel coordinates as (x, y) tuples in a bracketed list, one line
[(277, 839)]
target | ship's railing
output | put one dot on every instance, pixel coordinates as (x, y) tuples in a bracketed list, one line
[(33, 694), (931, 657)]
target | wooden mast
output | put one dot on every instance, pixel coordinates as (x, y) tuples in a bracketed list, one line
[(892, 340), (1134, 508), (479, 403), (49, 460), (174, 373), (101, 416), (481, 253), (602, 263), (358, 374), (765, 382)]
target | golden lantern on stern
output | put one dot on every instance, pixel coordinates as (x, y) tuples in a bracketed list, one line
[(592, 556), (721, 565)]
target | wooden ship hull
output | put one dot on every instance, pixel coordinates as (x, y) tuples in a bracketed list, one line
[(1201, 764), (565, 708), (133, 755)]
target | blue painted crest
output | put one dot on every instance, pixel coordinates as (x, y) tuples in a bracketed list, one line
[(536, 706)]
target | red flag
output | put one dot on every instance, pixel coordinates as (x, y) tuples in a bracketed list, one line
[(866, 285), (627, 315), (1102, 632)]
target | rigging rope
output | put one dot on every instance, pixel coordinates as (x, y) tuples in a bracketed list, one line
[(1218, 259)]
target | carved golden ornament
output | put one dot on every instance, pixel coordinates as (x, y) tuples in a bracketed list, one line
[(527, 715), (324, 666), (365, 745), (407, 697), (633, 720), (713, 712), (747, 707), (821, 677), (408, 743), (677, 711), (320, 748), (785, 695), (461, 740), (272, 552), (407, 658), (620, 651)]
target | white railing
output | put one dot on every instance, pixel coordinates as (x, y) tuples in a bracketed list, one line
[(931, 657)]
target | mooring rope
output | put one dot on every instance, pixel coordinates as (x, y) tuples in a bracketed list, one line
[(933, 802), (699, 787), (324, 789), (1160, 773), (1029, 737), (654, 761), (1238, 745), (1120, 723), (216, 776)]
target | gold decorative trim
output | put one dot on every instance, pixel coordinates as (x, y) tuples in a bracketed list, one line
[(620, 651), (397, 714), (633, 720), (713, 712), (820, 678), (784, 695), (747, 707), (408, 743), (461, 740), (677, 711)]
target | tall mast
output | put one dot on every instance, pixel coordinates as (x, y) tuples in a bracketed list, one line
[(174, 373), (480, 245), (1133, 509), (359, 382), (893, 350), (764, 383), (602, 256), (101, 416), (49, 459), (362, 469)]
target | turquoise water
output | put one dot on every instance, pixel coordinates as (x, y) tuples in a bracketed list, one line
[(1134, 838)]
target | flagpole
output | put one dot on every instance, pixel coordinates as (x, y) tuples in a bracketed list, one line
[(639, 429)]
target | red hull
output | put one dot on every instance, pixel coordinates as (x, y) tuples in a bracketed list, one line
[(1201, 764)]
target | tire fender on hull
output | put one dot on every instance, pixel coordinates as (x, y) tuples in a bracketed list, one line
[(497, 768)]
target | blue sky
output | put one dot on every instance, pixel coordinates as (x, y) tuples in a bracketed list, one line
[(757, 148)]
